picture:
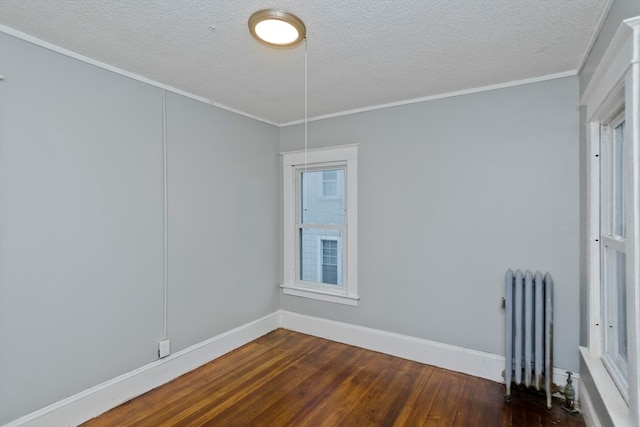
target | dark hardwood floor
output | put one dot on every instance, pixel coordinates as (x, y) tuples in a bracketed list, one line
[(291, 379)]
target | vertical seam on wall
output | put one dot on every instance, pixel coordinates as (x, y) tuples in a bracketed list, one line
[(165, 278)]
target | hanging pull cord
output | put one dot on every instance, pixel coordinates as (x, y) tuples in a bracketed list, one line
[(306, 102), (306, 119)]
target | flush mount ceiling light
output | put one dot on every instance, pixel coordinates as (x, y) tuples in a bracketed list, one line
[(277, 28)]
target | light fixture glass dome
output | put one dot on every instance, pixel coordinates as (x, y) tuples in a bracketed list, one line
[(277, 28)]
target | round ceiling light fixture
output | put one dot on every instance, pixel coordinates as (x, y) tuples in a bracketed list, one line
[(277, 28)]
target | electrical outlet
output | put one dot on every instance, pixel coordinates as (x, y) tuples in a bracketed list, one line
[(164, 349)]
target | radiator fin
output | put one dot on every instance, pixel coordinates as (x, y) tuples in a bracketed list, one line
[(529, 328)]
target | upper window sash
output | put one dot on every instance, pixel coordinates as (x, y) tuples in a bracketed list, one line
[(612, 198)]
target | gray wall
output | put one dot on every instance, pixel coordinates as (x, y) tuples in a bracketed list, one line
[(453, 192), (223, 220), (81, 224)]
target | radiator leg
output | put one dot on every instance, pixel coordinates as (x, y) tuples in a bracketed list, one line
[(507, 395), (548, 399), (508, 354)]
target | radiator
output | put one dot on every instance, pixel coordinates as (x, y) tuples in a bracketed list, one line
[(529, 329)]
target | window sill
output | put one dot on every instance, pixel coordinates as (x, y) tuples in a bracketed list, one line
[(615, 405), (320, 295)]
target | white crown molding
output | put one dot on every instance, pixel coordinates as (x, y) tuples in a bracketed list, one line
[(34, 40), (620, 55), (505, 85), (38, 42)]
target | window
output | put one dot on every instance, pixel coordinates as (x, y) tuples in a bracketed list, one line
[(320, 223), (320, 229), (613, 252), (612, 109)]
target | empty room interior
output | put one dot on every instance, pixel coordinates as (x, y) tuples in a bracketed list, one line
[(174, 188)]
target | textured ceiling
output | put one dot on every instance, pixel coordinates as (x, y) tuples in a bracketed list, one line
[(361, 53)]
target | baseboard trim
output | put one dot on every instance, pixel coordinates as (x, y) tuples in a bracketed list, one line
[(455, 358), (96, 400), (586, 406), (92, 402)]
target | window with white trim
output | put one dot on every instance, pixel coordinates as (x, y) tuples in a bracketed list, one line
[(320, 224), (613, 252), (612, 110)]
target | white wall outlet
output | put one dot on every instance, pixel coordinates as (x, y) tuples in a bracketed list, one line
[(164, 348)]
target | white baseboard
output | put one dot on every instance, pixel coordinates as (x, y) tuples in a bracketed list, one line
[(454, 358), (92, 402), (586, 406), (472, 362)]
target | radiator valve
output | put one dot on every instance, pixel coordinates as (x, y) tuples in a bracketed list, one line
[(569, 393)]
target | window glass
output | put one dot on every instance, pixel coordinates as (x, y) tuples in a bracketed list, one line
[(613, 255), (618, 181), (330, 261), (330, 183), (315, 208), (615, 313), (321, 255)]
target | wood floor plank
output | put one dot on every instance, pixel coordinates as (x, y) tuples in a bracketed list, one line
[(415, 403), (289, 379), (295, 377), (364, 386), (318, 388), (225, 396)]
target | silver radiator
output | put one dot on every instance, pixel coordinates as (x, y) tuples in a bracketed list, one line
[(529, 331)]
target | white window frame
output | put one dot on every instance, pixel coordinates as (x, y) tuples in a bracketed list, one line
[(348, 292), (615, 85)]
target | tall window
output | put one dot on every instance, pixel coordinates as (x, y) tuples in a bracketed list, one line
[(611, 104), (320, 224), (613, 252), (320, 219)]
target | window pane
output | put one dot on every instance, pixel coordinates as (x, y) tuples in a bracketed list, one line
[(329, 252), (330, 183), (622, 305), (329, 188), (321, 256), (616, 308), (618, 181), (316, 208)]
